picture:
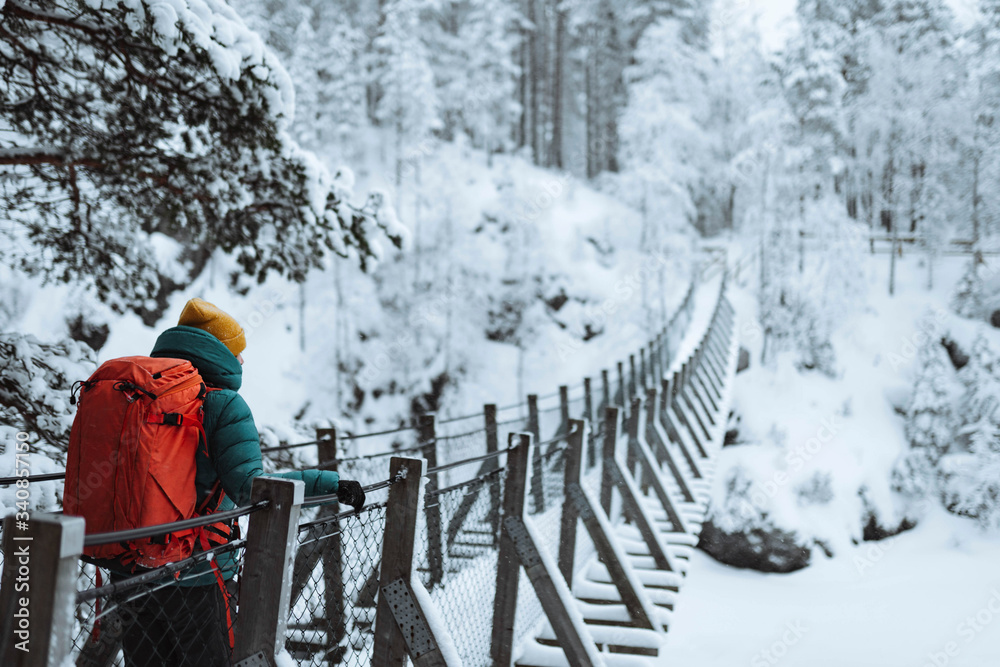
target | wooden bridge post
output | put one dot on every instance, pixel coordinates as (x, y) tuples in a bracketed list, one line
[(264, 592), (492, 442), (631, 429), (705, 388), (675, 383), (508, 563), (333, 573), (642, 368), (567, 527), (563, 409), (702, 388), (520, 546), (665, 352), (588, 415), (622, 397), (655, 361), (391, 645), (664, 399), (685, 393), (716, 357), (435, 543), (38, 588), (673, 420), (632, 452), (580, 505), (537, 476), (606, 387), (632, 387), (652, 416), (668, 344), (608, 454)]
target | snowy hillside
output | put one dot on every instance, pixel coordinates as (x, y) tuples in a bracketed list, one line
[(819, 455), (582, 300)]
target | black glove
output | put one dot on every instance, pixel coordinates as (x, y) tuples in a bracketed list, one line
[(350, 493)]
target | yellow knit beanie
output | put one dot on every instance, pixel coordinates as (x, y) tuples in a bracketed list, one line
[(203, 315)]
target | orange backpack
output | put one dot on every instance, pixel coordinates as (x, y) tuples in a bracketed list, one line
[(131, 459)]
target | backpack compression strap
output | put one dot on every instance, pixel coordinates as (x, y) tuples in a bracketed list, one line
[(178, 419)]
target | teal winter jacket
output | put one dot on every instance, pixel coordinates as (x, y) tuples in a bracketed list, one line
[(233, 455)]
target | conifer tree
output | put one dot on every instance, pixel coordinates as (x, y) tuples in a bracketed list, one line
[(126, 119), (929, 420)]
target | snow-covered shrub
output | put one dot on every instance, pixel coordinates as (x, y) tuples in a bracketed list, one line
[(738, 531), (737, 511), (816, 350), (817, 490), (792, 323), (913, 477), (929, 419), (981, 379), (973, 481), (14, 298), (967, 300), (82, 328), (35, 381)]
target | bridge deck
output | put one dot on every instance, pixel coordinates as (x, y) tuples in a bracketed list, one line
[(698, 421)]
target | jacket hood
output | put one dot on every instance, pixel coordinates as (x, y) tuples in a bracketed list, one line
[(217, 365)]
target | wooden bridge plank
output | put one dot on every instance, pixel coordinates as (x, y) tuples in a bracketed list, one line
[(613, 557)]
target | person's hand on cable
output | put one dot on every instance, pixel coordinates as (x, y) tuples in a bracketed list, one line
[(350, 493)]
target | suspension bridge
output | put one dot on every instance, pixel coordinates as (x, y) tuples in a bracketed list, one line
[(553, 532)]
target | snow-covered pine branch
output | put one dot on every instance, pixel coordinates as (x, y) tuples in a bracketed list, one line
[(35, 382), (128, 117)]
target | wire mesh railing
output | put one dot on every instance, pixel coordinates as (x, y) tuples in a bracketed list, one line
[(182, 614), (470, 513), (335, 586), (335, 580)]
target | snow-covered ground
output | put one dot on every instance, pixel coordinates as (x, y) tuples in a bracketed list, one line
[(929, 596), (907, 601)]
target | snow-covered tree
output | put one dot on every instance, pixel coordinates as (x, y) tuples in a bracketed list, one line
[(321, 45), (914, 477), (814, 87), (968, 298), (929, 419), (408, 102), (979, 493), (124, 119), (35, 384), (981, 378), (472, 55), (665, 148)]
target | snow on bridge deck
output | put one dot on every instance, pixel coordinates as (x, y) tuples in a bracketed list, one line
[(681, 441)]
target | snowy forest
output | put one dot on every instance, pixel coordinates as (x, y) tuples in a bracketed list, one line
[(422, 206)]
